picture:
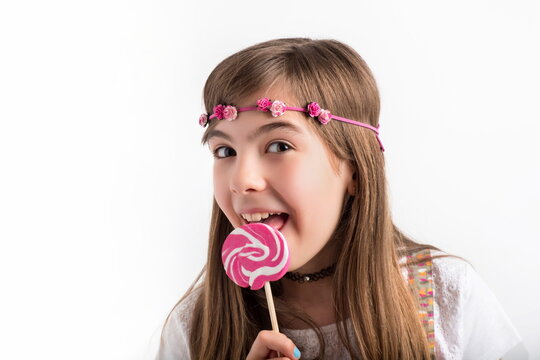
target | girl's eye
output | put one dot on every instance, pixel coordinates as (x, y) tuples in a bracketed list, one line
[(223, 152), (279, 146), (275, 147)]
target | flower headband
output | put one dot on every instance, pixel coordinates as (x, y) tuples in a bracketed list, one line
[(278, 108)]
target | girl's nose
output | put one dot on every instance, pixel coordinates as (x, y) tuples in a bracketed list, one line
[(247, 175)]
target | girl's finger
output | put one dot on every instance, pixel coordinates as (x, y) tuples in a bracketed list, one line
[(271, 340)]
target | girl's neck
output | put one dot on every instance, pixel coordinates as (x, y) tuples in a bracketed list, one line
[(314, 298), (307, 293), (311, 298)]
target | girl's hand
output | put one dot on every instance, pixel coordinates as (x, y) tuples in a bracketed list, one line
[(268, 343)]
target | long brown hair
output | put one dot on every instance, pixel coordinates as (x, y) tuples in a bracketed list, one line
[(369, 287)]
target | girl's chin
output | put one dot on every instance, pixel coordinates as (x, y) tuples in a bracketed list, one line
[(296, 269), (297, 264)]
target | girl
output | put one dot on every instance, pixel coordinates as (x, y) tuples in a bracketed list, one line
[(293, 126)]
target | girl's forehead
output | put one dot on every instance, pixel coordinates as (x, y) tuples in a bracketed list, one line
[(251, 125)]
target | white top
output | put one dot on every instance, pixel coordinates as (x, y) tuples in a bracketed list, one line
[(469, 321)]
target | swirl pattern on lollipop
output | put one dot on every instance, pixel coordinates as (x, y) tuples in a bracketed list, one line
[(254, 254)]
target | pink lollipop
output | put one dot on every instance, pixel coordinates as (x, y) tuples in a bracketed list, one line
[(254, 254)]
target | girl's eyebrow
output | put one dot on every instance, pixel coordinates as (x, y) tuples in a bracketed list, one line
[(261, 130)]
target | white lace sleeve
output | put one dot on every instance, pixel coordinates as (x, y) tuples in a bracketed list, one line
[(175, 338), (469, 321)]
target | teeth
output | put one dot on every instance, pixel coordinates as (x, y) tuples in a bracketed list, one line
[(255, 217)]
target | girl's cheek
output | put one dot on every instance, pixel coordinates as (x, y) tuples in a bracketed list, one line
[(296, 178)]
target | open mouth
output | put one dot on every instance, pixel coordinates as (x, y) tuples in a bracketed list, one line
[(277, 221)]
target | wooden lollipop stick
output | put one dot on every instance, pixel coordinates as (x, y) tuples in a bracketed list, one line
[(271, 308)]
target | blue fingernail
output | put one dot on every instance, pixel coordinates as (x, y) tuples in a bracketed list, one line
[(296, 353)]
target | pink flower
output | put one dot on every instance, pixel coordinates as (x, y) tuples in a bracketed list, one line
[(218, 111), (277, 108), (263, 104), (229, 113), (203, 120), (314, 109), (325, 116)]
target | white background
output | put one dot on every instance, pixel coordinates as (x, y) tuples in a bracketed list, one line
[(105, 190)]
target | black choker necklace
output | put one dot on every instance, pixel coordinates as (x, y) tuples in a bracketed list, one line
[(302, 278)]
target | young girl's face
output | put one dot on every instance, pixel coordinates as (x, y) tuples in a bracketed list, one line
[(270, 165)]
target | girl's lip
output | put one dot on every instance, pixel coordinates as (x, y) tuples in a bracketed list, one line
[(259, 210), (244, 221)]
